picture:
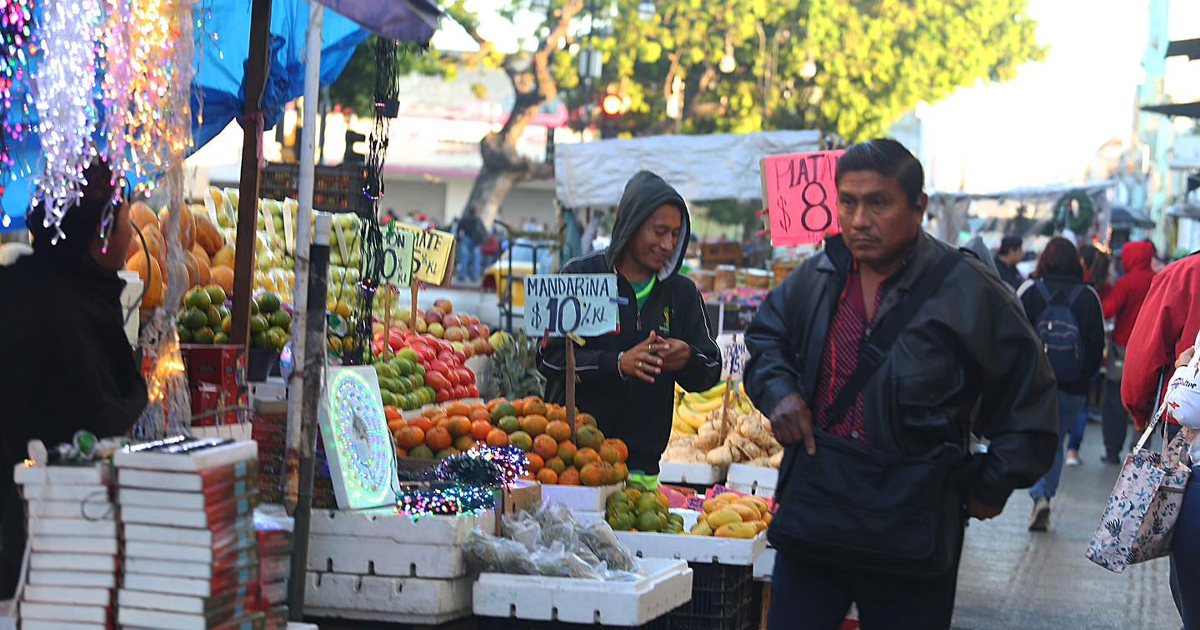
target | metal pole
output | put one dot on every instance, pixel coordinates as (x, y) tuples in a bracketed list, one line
[(257, 65), (314, 364), (312, 74)]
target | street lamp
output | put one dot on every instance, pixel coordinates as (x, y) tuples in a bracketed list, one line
[(728, 63)]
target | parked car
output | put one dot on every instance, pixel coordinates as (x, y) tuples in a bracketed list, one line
[(496, 276)]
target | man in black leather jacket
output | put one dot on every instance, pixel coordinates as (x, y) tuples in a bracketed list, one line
[(966, 362)]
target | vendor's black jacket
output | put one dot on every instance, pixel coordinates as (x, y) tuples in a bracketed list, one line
[(1089, 316), (967, 360), (65, 362), (631, 409)]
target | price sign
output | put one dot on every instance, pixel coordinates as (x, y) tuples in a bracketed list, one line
[(433, 254), (734, 356), (398, 256), (583, 304), (801, 197)]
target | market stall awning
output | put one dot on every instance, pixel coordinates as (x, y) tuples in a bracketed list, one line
[(701, 168), (1184, 47), (1123, 217), (405, 20), (1187, 110)]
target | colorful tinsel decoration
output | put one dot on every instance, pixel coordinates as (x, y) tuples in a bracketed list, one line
[(452, 501), (147, 59), (476, 474), (66, 82), (17, 49)]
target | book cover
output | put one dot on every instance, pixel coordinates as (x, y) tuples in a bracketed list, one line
[(75, 544), (68, 475), (240, 583), (196, 570), (38, 624), (71, 595), (55, 492), (42, 577), (96, 508), (189, 536), (73, 562), (246, 471), (72, 527), (274, 593), (182, 553), (175, 500), (183, 604), (213, 517), (188, 455), (143, 618), (58, 612), (275, 568)]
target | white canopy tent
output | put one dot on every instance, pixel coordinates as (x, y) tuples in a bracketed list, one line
[(701, 168)]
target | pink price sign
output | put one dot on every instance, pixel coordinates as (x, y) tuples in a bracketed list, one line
[(801, 197)]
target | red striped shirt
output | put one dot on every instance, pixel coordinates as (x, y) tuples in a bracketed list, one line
[(839, 359)]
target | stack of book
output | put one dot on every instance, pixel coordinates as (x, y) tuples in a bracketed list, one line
[(274, 567), (73, 536), (191, 551)]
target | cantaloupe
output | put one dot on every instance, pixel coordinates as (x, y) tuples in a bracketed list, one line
[(202, 255), (224, 257), (152, 278), (142, 215), (222, 276), (187, 226), (208, 236)]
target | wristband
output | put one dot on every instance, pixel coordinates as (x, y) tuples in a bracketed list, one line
[(619, 372)]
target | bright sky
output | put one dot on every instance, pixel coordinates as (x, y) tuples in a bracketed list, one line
[(1043, 127)]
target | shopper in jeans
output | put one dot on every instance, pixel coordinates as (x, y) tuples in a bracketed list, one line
[(1056, 283), (1095, 273), (1122, 303), (471, 235)]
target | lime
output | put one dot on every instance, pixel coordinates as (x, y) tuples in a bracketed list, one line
[(185, 335), (268, 302), (221, 338), (194, 318), (204, 335), (258, 324), (214, 317), (281, 319), (197, 298), (216, 294)]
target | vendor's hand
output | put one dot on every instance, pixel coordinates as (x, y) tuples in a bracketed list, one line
[(1186, 357), (641, 362), (982, 511), (674, 352), (791, 421)]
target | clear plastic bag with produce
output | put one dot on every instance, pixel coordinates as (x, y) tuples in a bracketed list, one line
[(558, 525), (498, 555), (599, 537), (556, 561), (523, 529)]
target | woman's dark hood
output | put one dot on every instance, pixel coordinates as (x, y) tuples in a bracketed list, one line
[(644, 194)]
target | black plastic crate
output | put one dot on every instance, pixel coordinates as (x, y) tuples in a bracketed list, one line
[(744, 618), (335, 188), (722, 599), (497, 623)]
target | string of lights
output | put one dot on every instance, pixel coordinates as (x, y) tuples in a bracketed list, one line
[(17, 48)]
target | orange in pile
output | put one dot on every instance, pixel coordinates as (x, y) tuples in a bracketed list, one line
[(529, 424)]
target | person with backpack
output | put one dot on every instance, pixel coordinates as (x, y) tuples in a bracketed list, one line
[(1069, 320)]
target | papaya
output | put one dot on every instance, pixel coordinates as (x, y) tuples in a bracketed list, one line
[(747, 512), (701, 528), (712, 505), (722, 517), (736, 530)]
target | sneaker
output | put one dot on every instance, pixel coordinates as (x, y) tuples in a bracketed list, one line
[(1073, 458), (1110, 459), (1039, 519)]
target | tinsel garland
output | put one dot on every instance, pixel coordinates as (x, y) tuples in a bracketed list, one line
[(66, 82), (17, 47), (476, 473)]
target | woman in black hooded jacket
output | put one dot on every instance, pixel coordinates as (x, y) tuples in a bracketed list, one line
[(67, 362)]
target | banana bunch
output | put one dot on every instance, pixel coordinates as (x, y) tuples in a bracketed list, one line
[(691, 408)]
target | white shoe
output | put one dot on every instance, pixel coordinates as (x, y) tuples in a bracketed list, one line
[(1039, 519), (1073, 458)]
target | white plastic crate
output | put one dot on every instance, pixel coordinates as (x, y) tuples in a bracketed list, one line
[(580, 498), (375, 598), (757, 478), (754, 491), (667, 585), (707, 549), (692, 474), (401, 528), (384, 557), (765, 565)]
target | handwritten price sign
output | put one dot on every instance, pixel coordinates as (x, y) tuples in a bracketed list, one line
[(583, 304), (433, 254), (801, 197), (398, 256), (734, 356)]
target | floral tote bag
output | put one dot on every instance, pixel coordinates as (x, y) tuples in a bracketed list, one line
[(1140, 515)]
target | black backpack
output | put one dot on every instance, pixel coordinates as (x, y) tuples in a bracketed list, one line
[(1059, 331)]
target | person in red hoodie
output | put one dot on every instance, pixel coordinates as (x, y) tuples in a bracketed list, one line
[(1167, 328), (1122, 303)]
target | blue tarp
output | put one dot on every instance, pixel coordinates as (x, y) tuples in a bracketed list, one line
[(222, 51)]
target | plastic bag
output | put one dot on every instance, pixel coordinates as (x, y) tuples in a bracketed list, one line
[(558, 525), (523, 529), (599, 537), (557, 562), (498, 555)]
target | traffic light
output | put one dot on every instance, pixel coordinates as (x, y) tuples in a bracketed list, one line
[(612, 106)]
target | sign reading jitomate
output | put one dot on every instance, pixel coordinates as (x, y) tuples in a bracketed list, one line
[(582, 304), (398, 256), (801, 197)]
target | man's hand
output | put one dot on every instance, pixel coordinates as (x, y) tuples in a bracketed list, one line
[(675, 353), (982, 511), (1186, 357), (640, 360), (792, 424)]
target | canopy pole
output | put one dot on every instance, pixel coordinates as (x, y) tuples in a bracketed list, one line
[(257, 65)]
